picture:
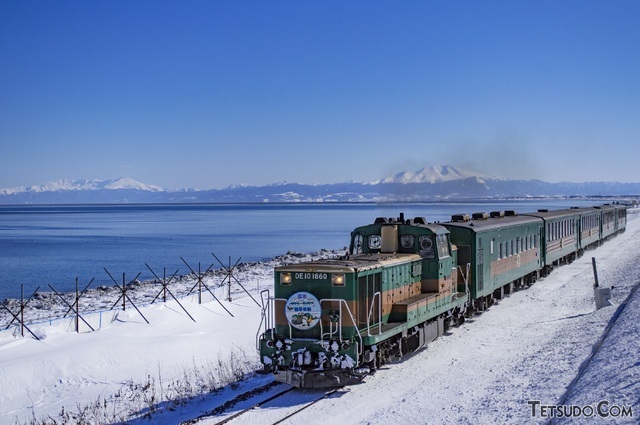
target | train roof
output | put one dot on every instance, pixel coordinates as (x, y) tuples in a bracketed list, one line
[(490, 223), (594, 209), (350, 263), (422, 222), (549, 214), (573, 210)]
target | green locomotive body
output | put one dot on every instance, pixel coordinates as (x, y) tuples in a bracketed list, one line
[(330, 322)]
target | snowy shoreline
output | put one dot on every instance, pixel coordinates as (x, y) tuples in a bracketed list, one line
[(47, 306)]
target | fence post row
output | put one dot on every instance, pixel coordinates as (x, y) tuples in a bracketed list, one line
[(75, 306)]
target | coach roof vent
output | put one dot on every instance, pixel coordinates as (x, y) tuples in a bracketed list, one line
[(510, 213), (497, 214), (480, 216), (459, 217), (420, 220), (381, 220)]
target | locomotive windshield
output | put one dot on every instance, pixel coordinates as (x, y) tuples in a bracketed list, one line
[(358, 242)]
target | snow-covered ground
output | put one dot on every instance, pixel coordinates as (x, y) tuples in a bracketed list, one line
[(541, 347)]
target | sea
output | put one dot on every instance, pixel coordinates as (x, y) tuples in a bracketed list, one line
[(64, 246)]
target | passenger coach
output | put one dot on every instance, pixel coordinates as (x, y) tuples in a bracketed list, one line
[(503, 250)]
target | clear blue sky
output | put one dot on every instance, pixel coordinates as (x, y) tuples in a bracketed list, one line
[(210, 93)]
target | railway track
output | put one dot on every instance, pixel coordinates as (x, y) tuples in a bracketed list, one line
[(275, 408)]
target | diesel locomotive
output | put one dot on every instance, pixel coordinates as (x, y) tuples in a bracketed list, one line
[(403, 282)]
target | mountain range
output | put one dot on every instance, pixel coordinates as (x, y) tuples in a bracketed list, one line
[(437, 183)]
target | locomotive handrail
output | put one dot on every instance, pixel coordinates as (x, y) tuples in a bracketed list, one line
[(465, 277), (266, 316), (379, 295), (339, 327)]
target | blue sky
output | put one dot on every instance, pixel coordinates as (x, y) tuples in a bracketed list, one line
[(206, 94)]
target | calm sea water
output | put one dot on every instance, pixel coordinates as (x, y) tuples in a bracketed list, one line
[(42, 245)]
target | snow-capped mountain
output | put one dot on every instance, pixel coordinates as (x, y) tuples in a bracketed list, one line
[(84, 184), (440, 183), (436, 174), (129, 183)]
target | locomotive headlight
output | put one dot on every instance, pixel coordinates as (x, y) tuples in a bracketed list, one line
[(285, 278), (337, 279)]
